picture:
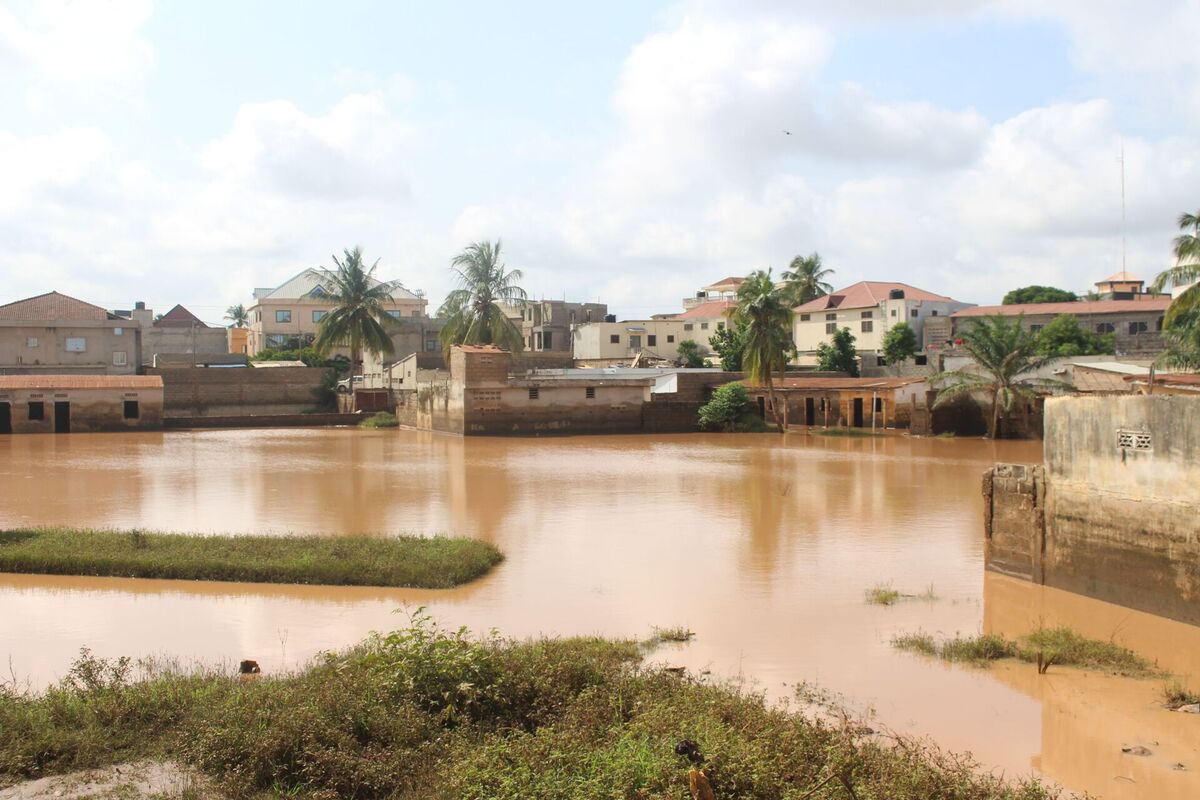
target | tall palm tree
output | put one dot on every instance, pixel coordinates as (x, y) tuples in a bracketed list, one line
[(358, 317), (473, 311), (1006, 356), (238, 316), (1185, 271), (804, 279), (764, 314)]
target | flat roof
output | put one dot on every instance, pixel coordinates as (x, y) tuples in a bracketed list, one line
[(59, 382), (1079, 307)]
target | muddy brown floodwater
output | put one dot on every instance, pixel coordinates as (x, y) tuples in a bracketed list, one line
[(761, 544)]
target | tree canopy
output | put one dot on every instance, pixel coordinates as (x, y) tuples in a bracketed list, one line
[(728, 343), (839, 354), (1038, 294), (473, 311), (1182, 320), (899, 344), (359, 315), (1063, 338), (804, 280), (237, 316), (764, 313), (689, 354)]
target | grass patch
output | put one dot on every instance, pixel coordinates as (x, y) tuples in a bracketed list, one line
[(677, 634), (1177, 695), (850, 432), (1044, 647), (382, 419), (434, 563), (882, 594), (427, 713), (946, 435)]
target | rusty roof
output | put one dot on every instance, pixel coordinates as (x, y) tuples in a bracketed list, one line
[(708, 310), (52, 306), (479, 348), (179, 317), (1170, 379), (59, 382), (847, 383), (1085, 307), (868, 293)]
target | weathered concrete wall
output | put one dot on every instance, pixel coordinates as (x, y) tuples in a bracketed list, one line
[(183, 342), (238, 392), (1119, 517), (88, 410)]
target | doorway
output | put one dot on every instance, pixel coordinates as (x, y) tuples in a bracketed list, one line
[(858, 412), (5, 418), (810, 411), (62, 416)]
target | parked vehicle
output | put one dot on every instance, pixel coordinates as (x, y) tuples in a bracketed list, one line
[(343, 386)]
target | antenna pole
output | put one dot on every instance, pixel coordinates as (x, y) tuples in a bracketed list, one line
[(1122, 205)]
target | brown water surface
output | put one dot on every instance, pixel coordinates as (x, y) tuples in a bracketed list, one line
[(763, 545)]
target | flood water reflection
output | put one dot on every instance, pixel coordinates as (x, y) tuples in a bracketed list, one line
[(763, 545)]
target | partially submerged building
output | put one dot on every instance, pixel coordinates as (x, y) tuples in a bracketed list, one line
[(79, 403), (831, 402)]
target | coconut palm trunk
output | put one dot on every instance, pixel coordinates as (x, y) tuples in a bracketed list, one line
[(764, 314)]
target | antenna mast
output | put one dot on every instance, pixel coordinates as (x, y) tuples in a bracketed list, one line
[(1122, 205)]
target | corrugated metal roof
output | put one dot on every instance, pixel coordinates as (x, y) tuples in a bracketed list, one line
[(865, 294), (61, 382), (1112, 366), (1078, 308)]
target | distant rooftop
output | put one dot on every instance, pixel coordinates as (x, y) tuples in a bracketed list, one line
[(708, 310), (311, 283), (52, 306), (1084, 307), (179, 317), (866, 294)]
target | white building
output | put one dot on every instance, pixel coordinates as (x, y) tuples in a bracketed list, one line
[(605, 343)]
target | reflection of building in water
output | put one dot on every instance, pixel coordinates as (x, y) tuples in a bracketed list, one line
[(1088, 717)]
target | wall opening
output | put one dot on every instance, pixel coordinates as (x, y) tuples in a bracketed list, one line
[(5, 418), (858, 412), (131, 409), (37, 411), (62, 416), (810, 411)]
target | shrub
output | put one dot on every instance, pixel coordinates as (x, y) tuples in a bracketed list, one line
[(727, 407), (383, 419)]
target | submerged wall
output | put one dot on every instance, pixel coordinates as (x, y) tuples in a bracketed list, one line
[(1115, 512), (236, 392)]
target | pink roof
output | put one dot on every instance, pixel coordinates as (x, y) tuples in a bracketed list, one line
[(58, 382), (866, 294), (1121, 277), (52, 306), (1079, 307), (709, 310), (734, 281)]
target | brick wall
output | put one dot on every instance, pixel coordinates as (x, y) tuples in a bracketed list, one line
[(1014, 519), (231, 392)]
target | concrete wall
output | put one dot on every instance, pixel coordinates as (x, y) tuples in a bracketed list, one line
[(1122, 497), (110, 347), (593, 343), (90, 410), (232, 392), (183, 341)]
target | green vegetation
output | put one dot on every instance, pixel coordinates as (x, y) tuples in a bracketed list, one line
[(1006, 356), (1176, 695), (883, 594), (473, 311), (689, 354), (1044, 647), (729, 410), (850, 432), (238, 316), (437, 715), (380, 420), (729, 343), (838, 355), (764, 314), (1063, 338), (359, 313), (435, 563), (804, 280), (1181, 324), (677, 634), (1038, 294), (899, 344)]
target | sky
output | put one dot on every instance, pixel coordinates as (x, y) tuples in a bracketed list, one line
[(626, 152)]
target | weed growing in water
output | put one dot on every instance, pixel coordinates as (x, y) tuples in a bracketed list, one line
[(882, 594), (1176, 695)]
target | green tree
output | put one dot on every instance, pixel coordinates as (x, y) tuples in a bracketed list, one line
[(1006, 357), (474, 312), (1182, 339), (238, 316), (839, 354), (1038, 294), (1063, 338), (1186, 270), (359, 315), (764, 312), (689, 354), (804, 279), (728, 343), (899, 344), (728, 405)]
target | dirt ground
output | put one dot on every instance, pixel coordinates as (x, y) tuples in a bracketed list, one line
[(144, 780)]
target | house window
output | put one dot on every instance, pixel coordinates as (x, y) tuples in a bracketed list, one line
[(393, 313), (120, 358), (867, 326), (878, 405), (831, 327), (533, 393), (670, 338), (131, 409), (921, 361), (1105, 327), (319, 315), (831, 317), (720, 326), (880, 361), (867, 314), (118, 331), (614, 338), (537, 340), (703, 326), (635, 342), (283, 316), (37, 410), (590, 393), (805, 317), (1158, 325), (548, 340), (933, 313), (893, 312), (1138, 327), (687, 326), (652, 340), (31, 341), (914, 313), (76, 344)]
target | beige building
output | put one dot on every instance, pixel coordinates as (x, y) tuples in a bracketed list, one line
[(868, 309), (546, 324), (53, 333), (612, 343), (287, 316), (79, 403), (1136, 325), (724, 290)]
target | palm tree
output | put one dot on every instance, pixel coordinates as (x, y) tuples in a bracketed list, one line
[(238, 316), (358, 317), (1006, 355), (473, 311), (804, 279), (1185, 271), (764, 314)]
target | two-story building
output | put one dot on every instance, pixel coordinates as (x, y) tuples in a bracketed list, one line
[(287, 316), (53, 333), (1136, 325), (868, 309), (546, 324)]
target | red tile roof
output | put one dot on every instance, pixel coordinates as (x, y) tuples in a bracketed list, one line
[(1121, 277), (709, 310), (52, 306), (865, 294), (1079, 307), (60, 382), (733, 281), (179, 317)]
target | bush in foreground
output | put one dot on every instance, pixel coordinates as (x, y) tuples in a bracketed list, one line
[(428, 713), (382, 419), (729, 410)]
